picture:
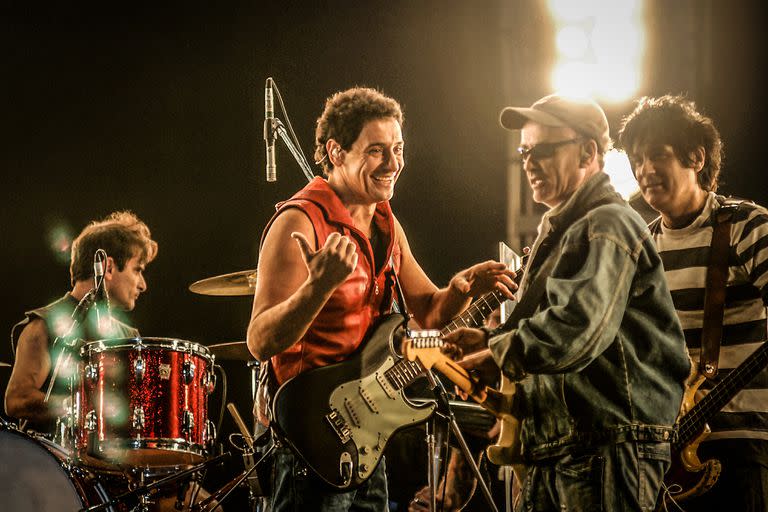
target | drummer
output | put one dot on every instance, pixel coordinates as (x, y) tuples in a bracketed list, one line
[(129, 247)]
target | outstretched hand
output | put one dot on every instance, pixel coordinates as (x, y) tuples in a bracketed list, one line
[(333, 262), (485, 277)]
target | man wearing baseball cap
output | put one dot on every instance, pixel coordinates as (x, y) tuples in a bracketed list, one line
[(594, 345)]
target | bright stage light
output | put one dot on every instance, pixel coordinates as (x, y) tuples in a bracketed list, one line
[(574, 78), (572, 42), (600, 46), (617, 168)]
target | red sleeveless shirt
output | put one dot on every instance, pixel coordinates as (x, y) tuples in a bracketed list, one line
[(349, 314)]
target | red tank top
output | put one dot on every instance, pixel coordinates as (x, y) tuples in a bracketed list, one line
[(353, 308)]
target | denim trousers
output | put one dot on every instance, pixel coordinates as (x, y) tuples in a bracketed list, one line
[(296, 488), (614, 477)]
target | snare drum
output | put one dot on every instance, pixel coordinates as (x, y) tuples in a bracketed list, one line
[(36, 476), (144, 401)]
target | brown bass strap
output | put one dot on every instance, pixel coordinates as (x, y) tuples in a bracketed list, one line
[(714, 292)]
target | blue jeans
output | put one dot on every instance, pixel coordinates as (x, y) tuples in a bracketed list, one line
[(613, 478), (296, 488)]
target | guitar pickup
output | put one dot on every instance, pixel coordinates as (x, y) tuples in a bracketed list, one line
[(339, 426), (385, 385), (369, 400), (350, 407)]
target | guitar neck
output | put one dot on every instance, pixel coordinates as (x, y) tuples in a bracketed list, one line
[(405, 372), (722, 393), (476, 313)]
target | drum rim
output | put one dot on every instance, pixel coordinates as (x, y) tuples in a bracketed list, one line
[(178, 446), (146, 343)]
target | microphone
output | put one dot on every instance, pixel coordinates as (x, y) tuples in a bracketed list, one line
[(269, 130), (101, 297)]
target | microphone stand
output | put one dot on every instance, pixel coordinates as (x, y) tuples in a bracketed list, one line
[(445, 412), (278, 127)]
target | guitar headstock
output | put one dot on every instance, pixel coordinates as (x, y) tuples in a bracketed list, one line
[(424, 345)]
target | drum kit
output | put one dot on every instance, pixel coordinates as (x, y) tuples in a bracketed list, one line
[(136, 436)]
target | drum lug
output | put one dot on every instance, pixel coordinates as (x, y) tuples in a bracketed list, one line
[(210, 433), (138, 368), (91, 372), (137, 418), (188, 423), (209, 382), (76, 410), (188, 371), (90, 421)]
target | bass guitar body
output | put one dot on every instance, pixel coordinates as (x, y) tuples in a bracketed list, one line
[(508, 449), (688, 476)]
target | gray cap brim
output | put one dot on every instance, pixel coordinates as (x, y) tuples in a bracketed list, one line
[(514, 118)]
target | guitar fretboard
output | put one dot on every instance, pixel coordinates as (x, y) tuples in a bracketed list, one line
[(476, 313), (405, 372), (693, 422)]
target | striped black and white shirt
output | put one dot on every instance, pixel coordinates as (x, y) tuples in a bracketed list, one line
[(685, 254)]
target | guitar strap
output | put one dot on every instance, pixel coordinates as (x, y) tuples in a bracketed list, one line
[(399, 305), (714, 291)]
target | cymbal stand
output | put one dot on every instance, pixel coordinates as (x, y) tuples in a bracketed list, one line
[(445, 412)]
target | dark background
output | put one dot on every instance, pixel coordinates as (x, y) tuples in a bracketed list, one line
[(160, 110)]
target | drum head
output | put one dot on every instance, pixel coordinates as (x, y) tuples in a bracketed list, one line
[(32, 479)]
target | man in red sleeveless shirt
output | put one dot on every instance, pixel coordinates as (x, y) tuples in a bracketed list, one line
[(326, 273)]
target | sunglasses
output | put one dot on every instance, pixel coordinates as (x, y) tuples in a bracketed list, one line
[(544, 149)]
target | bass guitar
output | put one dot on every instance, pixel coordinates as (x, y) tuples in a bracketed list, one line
[(688, 476), (338, 418)]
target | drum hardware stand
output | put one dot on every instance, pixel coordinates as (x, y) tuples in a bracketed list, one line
[(254, 366), (144, 491), (217, 498), (445, 412), (255, 490)]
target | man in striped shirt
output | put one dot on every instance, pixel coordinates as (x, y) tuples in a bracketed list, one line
[(676, 153)]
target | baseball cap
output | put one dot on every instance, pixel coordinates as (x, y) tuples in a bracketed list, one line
[(582, 115)]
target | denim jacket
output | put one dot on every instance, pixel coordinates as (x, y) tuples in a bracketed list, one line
[(603, 358)]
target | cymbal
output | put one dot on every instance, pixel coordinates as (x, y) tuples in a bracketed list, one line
[(233, 351), (227, 285), (2, 364)]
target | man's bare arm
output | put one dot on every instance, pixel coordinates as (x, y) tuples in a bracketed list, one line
[(24, 396), (295, 280)]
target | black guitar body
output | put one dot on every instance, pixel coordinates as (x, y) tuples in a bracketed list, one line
[(338, 418)]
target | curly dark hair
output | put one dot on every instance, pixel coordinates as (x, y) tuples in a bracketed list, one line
[(675, 120), (344, 116), (121, 234)]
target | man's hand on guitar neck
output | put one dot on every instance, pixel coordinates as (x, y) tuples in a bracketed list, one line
[(482, 366), (467, 339), (479, 361)]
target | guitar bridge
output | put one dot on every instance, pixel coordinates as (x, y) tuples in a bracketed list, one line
[(339, 426)]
